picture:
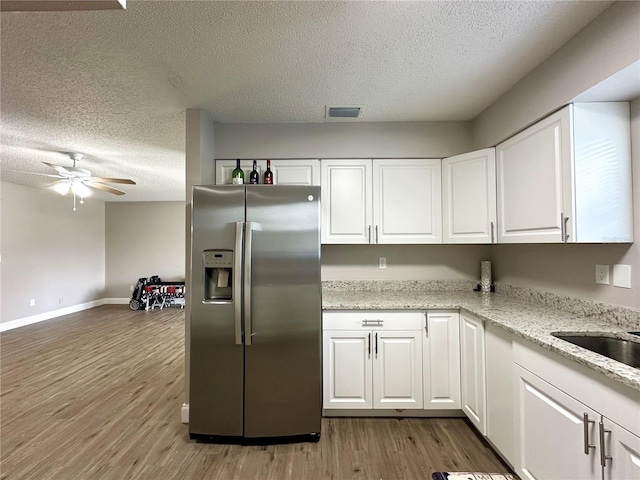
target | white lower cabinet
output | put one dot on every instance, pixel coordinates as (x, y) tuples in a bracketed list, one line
[(347, 369), (564, 425), (499, 372), (441, 361), (472, 371), (372, 360), (397, 369), (624, 449), (551, 433)]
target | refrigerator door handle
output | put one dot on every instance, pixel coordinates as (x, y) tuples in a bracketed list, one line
[(237, 283), (247, 282)]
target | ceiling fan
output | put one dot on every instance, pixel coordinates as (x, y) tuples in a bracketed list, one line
[(79, 181)]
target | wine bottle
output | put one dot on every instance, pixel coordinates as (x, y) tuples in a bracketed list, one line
[(237, 176), (254, 178), (268, 174)]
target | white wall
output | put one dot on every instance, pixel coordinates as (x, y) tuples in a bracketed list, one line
[(143, 239), (343, 140), (49, 252)]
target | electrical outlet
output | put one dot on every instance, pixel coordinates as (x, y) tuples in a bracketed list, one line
[(382, 262), (602, 274), (32, 302)]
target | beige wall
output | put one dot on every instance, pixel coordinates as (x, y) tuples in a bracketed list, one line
[(607, 45), (49, 252), (143, 239), (343, 140), (404, 262)]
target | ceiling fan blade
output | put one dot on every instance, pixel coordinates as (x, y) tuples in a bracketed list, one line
[(58, 168), (106, 188), (35, 173), (113, 180)]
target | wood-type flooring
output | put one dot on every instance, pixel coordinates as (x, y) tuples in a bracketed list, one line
[(97, 395)]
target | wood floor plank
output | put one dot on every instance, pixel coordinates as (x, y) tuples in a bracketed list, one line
[(97, 395)]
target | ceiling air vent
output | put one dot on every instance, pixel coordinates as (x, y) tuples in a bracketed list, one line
[(344, 111)]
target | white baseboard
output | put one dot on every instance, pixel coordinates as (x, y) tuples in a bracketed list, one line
[(184, 413), (41, 317), (116, 301)]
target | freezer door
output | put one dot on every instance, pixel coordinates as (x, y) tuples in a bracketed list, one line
[(217, 353), (283, 312)]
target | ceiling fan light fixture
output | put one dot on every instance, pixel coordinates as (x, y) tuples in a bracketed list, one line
[(62, 188), (80, 189)]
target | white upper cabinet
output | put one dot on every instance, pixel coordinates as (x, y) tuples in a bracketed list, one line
[(285, 172), (567, 178), (469, 197), (381, 201), (295, 172), (407, 201), (224, 168), (346, 201)]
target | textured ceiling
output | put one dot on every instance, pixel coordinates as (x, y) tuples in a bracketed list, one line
[(114, 85)]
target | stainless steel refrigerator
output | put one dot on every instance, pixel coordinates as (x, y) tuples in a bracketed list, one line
[(255, 362)]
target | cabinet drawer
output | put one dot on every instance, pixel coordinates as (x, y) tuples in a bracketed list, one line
[(373, 319)]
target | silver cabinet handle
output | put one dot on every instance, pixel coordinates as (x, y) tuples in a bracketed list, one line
[(376, 344), (492, 235), (585, 423), (563, 227), (377, 323), (377, 234), (426, 323), (603, 454), (237, 282), (369, 344), (369, 234), (247, 282)]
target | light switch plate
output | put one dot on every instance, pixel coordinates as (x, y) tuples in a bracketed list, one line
[(622, 276)]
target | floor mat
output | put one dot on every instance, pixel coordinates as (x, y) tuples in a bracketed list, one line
[(472, 476)]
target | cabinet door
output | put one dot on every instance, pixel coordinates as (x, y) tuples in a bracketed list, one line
[(296, 172), (346, 201), (499, 358), (472, 371), (225, 167), (397, 369), (346, 369), (550, 433), (441, 361), (624, 449), (407, 201), (469, 197), (534, 182)]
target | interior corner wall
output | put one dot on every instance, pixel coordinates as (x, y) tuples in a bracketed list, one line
[(604, 47), (143, 239), (49, 252)]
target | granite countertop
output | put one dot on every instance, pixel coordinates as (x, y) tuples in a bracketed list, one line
[(532, 321)]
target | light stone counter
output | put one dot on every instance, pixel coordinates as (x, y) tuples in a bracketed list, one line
[(532, 321)]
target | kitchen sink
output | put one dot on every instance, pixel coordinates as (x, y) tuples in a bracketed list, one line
[(625, 351)]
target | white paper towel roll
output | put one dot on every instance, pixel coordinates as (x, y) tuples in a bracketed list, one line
[(485, 276)]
